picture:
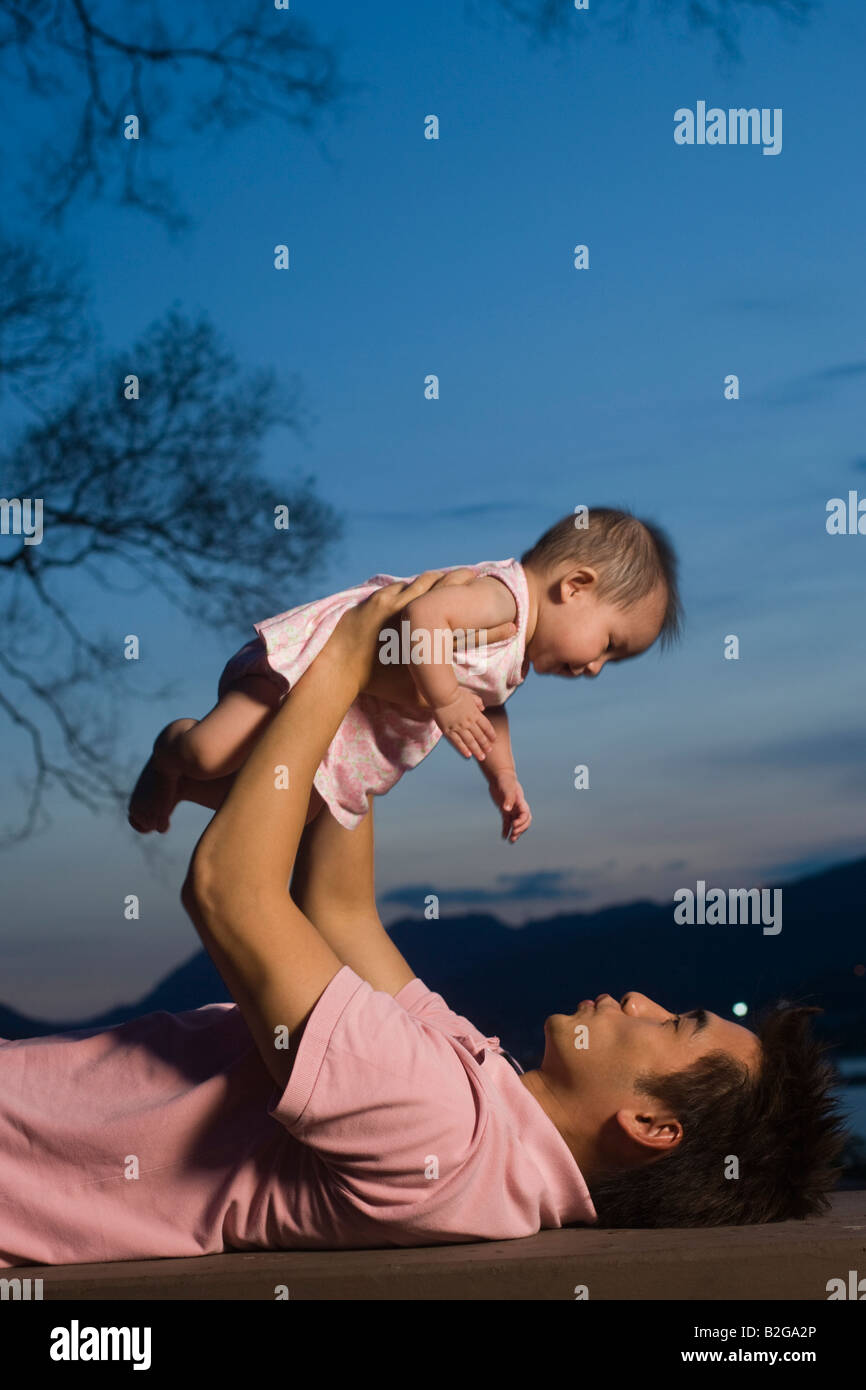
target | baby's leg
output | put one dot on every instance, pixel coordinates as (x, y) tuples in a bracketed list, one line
[(202, 750), (222, 741)]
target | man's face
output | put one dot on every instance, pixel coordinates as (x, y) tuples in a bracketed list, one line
[(577, 633), (595, 1053)]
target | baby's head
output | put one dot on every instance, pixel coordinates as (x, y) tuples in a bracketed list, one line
[(606, 590)]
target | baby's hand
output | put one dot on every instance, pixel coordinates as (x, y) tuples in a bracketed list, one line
[(508, 795), (464, 725)]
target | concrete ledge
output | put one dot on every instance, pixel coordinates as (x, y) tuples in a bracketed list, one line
[(791, 1260)]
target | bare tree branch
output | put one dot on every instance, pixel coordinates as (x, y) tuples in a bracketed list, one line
[(167, 490), (43, 322), (164, 490), (93, 72), (549, 19)]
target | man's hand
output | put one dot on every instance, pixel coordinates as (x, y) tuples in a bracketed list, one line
[(464, 724), (508, 796), (356, 635)]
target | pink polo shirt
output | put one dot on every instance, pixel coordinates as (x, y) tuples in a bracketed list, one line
[(400, 1125)]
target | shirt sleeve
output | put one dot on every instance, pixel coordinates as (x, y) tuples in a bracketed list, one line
[(425, 1004), (383, 1098)]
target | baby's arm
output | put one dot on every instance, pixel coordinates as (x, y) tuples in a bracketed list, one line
[(498, 768), (477, 607)]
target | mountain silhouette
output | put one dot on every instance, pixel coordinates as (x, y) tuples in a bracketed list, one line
[(508, 980)]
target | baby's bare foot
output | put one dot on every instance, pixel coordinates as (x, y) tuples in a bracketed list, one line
[(153, 799), (157, 791)]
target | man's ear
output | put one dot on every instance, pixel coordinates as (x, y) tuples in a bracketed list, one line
[(656, 1130)]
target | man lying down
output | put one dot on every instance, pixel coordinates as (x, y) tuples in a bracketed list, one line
[(339, 1103)]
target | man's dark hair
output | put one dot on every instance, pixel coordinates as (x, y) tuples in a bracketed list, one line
[(633, 556), (781, 1123)]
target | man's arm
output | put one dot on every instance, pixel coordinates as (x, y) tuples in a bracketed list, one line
[(334, 885), (272, 958)]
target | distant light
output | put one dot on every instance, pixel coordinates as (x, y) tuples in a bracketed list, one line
[(740, 1009), (860, 969)]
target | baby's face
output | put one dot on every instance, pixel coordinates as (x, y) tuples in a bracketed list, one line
[(577, 633)]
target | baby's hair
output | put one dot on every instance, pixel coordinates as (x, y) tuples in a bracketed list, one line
[(633, 556)]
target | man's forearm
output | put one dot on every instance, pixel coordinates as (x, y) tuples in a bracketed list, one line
[(271, 956), (255, 835), (334, 886)]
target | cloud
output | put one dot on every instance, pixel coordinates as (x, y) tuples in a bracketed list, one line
[(831, 748), (837, 856), (814, 386), (757, 305), (803, 303), (469, 511), (542, 885)]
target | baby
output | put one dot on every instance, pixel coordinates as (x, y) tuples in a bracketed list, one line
[(599, 586)]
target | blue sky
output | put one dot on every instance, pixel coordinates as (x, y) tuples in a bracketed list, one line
[(604, 386)]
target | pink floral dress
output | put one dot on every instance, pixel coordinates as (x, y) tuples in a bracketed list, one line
[(377, 742)]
